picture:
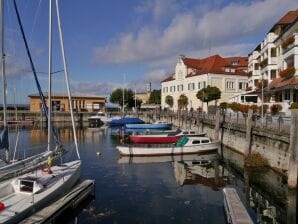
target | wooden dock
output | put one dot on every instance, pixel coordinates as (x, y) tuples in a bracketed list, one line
[(70, 200), (234, 208)]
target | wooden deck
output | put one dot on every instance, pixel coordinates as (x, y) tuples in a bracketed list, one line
[(72, 199), (235, 210)]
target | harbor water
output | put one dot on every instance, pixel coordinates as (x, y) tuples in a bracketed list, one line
[(168, 189)]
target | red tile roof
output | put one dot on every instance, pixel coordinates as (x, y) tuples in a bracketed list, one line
[(288, 18), (214, 64), (169, 78), (281, 82)]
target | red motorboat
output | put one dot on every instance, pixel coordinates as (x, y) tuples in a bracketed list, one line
[(154, 138)]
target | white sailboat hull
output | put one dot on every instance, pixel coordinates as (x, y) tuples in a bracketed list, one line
[(166, 150), (19, 205)]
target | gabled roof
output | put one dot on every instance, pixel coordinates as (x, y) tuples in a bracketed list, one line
[(216, 64)]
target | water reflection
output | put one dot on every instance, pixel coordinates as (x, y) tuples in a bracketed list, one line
[(142, 189)]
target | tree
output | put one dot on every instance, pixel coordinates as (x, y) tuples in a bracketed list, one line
[(155, 96), (208, 94), (182, 102), (169, 100), (117, 97)]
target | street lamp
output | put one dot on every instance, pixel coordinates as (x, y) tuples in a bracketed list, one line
[(262, 109)]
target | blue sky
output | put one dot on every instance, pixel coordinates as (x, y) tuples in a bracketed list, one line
[(112, 42)]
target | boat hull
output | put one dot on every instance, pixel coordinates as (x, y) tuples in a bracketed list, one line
[(153, 139), (165, 150), (66, 180), (149, 126)]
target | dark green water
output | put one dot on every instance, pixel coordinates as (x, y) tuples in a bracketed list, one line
[(167, 189)]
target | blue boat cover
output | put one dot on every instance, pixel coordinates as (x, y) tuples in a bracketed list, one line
[(126, 120), (4, 142)]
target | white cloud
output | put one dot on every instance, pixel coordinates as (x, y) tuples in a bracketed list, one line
[(190, 32)]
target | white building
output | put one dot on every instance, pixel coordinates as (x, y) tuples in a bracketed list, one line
[(191, 75), (275, 60)]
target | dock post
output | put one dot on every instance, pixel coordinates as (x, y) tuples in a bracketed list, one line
[(291, 206), (217, 124), (248, 133), (293, 149)]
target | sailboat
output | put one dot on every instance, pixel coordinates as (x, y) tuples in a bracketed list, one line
[(26, 194), (10, 168)]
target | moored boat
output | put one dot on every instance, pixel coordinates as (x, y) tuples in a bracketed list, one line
[(125, 120), (22, 196), (185, 145), (164, 137), (156, 125)]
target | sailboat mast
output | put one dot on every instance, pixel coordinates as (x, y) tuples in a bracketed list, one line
[(4, 84), (67, 80), (50, 77)]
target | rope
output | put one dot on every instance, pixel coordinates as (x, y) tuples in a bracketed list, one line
[(41, 96)]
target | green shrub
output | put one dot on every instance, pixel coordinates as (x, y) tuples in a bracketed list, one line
[(294, 105), (275, 108)]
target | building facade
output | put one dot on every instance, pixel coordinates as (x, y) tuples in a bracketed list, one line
[(192, 75), (81, 103), (144, 96), (274, 62)]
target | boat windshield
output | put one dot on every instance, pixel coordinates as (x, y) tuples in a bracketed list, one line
[(181, 142)]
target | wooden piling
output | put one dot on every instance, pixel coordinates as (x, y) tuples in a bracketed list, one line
[(248, 133), (217, 124), (293, 149)]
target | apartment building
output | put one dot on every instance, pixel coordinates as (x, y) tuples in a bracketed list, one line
[(275, 61), (191, 75)]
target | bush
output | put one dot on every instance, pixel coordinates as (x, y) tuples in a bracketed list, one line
[(256, 160), (254, 108), (243, 108), (288, 42), (275, 108), (223, 105), (287, 72), (294, 105), (265, 108), (234, 106)]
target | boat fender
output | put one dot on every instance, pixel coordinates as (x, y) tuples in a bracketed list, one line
[(2, 206), (47, 170)]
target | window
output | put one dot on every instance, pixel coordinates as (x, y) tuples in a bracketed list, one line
[(273, 52), (199, 85), (236, 62), (196, 142), (242, 85), (257, 66), (205, 141), (287, 94), (174, 88), (230, 85), (171, 89), (273, 74)]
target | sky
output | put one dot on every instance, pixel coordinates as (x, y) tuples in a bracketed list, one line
[(113, 44)]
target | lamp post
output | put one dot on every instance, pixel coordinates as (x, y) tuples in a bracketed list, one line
[(262, 109)]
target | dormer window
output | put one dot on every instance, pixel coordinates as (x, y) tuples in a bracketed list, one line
[(235, 62)]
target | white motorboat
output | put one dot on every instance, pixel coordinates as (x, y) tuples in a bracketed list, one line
[(26, 194), (193, 158), (185, 145)]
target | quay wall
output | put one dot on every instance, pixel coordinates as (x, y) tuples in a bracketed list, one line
[(270, 143)]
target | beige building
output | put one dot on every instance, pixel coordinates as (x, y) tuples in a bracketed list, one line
[(84, 103), (144, 97), (191, 74)]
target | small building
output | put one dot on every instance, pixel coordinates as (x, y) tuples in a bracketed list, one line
[(144, 96), (81, 103)]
